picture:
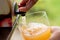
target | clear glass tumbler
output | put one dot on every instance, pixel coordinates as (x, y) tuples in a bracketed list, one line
[(36, 27)]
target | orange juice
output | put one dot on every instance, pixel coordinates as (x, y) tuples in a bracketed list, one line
[(36, 31)]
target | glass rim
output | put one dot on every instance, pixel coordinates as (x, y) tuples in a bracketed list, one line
[(44, 13)]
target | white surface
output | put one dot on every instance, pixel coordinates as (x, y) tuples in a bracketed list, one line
[(16, 35)]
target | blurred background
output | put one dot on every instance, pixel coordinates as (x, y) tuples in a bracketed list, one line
[(52, 7)]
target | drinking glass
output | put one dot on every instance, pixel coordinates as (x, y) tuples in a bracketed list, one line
[(36, 26)]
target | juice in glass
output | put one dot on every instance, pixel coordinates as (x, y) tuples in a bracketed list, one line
[(36, 31)]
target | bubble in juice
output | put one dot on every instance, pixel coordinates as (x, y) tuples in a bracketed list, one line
[(36, 31)]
